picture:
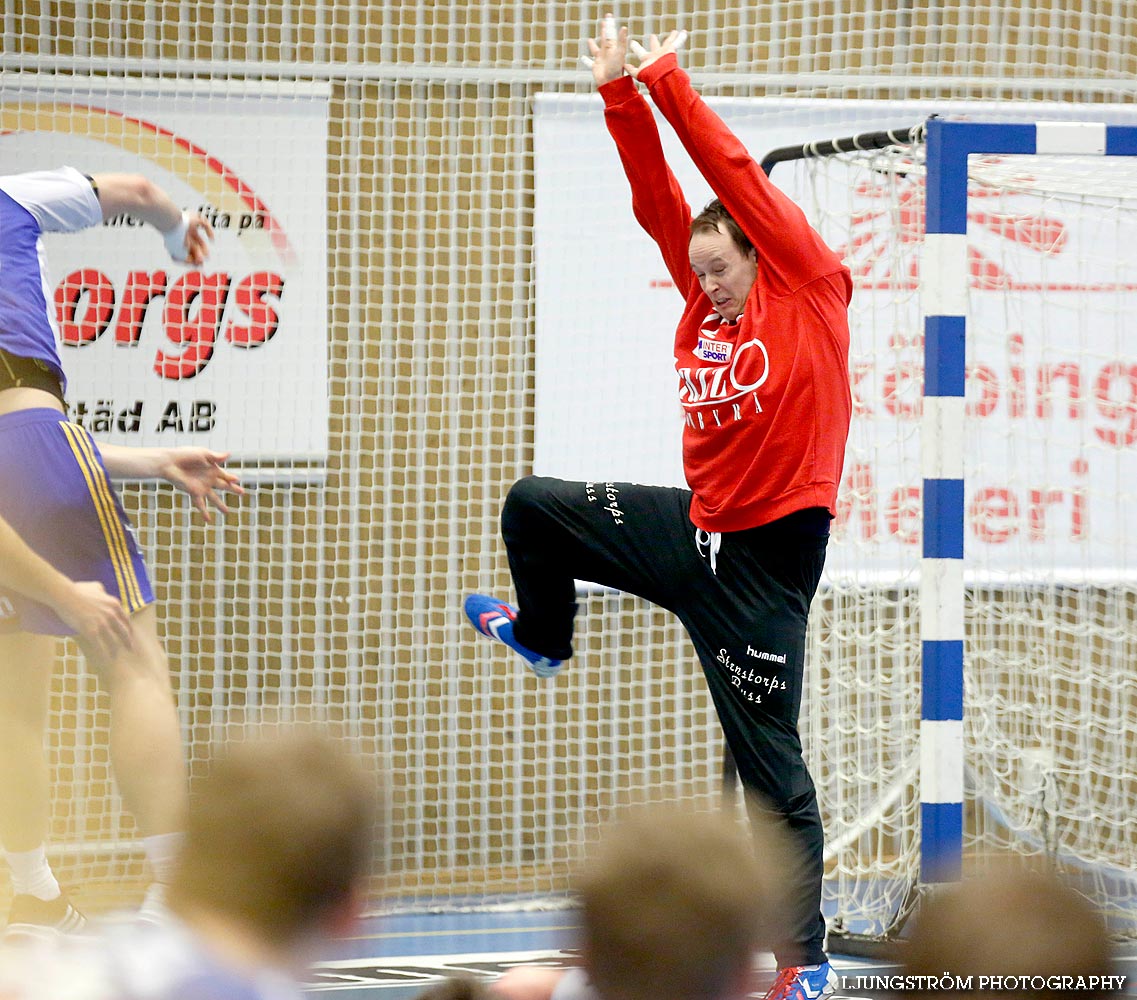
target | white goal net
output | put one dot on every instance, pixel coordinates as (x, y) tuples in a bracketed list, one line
[(1049, 549)]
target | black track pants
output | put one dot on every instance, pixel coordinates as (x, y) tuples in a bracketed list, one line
[(744, 599)]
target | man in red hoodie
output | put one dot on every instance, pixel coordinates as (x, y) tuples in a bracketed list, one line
[(761, 353)]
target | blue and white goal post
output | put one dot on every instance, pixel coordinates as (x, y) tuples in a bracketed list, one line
[(945, 276), (970, 691)]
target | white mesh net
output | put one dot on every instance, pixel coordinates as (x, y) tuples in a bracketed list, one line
[(1049, 470), (380, 425)]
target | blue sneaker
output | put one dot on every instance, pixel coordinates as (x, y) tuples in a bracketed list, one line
[(495, 618), (804, 982)]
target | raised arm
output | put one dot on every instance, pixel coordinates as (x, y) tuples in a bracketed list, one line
[(657, 199), (775, 225), (187, 234)]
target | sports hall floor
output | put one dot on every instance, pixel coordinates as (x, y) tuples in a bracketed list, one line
[(397, 957)]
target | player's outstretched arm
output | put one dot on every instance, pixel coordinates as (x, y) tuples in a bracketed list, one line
[(657, 200), (187, 234), (101, 622), (200, 472), (776, 226)]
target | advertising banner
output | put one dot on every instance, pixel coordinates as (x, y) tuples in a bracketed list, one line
[(1051, 445), (232, 355)]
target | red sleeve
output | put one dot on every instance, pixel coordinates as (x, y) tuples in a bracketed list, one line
[(776, 226), (657, 199)]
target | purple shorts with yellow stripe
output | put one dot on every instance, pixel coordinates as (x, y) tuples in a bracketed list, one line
[(55, 493)]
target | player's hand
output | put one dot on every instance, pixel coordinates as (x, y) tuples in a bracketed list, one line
[(202, 474), (656, 49), (199, 233), (102, 624), (609, 52), (188, 241)]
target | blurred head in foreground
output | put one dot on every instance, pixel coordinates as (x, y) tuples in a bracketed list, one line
[(674, 905), (1015, 933), (279, 843), (278, 848)]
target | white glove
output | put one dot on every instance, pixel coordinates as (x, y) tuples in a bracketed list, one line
[(176, 239)]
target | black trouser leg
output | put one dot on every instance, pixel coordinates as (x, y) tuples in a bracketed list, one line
[(614, 534), (804, 927), (747, 620), (746, 617)]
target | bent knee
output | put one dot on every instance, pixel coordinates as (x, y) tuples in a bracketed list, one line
[(529, 491), (525, 502)]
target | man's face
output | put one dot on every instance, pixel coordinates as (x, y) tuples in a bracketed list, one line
[(725, 273)]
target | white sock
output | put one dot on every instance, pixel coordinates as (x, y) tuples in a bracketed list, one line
[(32, 875), (162, 851)]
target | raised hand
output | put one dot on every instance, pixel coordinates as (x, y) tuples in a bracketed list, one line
[(199, 232), (609, 52), (188, 242), (656, 49)]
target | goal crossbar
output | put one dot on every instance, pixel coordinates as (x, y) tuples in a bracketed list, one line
[(878, 139)]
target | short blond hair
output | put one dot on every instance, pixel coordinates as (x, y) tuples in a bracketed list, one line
[(1010, 922), (279, 832), (674, 904)]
